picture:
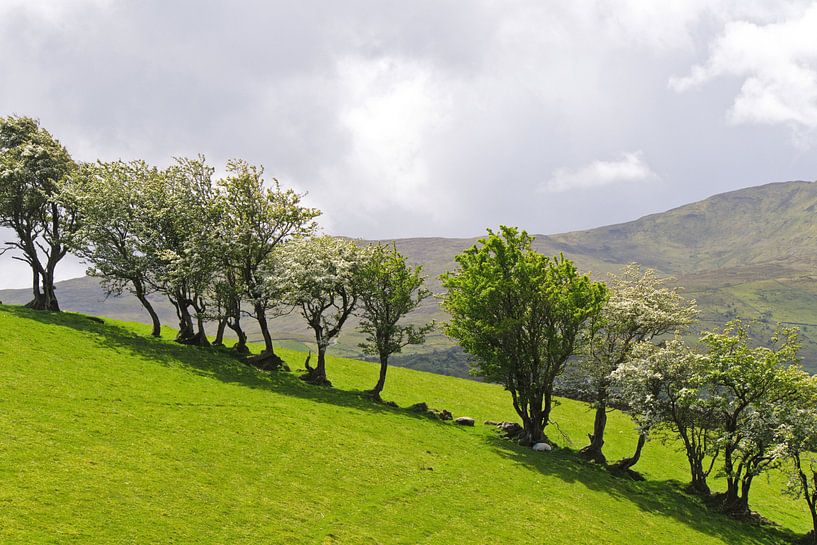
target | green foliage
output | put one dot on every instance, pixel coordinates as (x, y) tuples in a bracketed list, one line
[(756, 388), (388, 289), (33, 167), (520, 315)]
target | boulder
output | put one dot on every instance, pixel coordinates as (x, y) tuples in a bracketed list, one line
[(419, 407), (445, 415), (465, 421), (542, 447)]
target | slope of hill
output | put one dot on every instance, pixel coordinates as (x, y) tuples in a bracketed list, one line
[(109, 436), (749, 253)]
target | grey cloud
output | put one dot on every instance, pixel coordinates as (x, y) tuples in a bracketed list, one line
[(404, 118)]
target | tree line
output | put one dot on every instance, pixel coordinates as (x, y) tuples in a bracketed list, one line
[(536, 325), (219, 250), (224, 250)]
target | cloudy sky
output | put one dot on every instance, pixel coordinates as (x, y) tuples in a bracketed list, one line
[(432, 118)]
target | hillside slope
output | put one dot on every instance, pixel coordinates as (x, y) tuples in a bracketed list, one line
[(108, 436), (749, 253)]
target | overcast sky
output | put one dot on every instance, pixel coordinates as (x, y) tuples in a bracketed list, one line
[(432, 118)]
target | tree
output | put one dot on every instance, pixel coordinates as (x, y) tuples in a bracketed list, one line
[(318, 276), (389, 289), (752, 385), (519, 314), (33, 166), (640, 307), (178, 223), (110, 198), (665, 387), (797, 436), (257, 219)]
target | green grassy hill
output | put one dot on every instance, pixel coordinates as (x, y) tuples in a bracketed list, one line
[(749, 253), (109, 436)]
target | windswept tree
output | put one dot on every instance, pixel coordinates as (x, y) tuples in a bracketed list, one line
[(257, 218), (33, 167), (112, 238), (318, 277), (666, 388), (640, 307), (753, 387), (797, 436), (389, 289), (179, 215), (520, 314)]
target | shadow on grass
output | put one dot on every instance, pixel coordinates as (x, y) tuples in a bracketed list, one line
[(665, 498), (219, 363)]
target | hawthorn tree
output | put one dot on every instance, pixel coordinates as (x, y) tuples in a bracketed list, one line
[(640, 307), (520, 314), (33, 167), (388, 289), (178, 218), (752, 387), (257, 219), (797, 436), (666, 387), (318, 276), (110, 198)]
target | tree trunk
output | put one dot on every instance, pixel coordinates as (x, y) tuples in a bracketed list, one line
[(44, 296), (241, 345), (317, 375), (381, 382), (626, 464), (593, 451), (261, 316), (222, 325), (186, 334), (154, 318)]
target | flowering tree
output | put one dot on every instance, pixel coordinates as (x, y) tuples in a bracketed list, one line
[(110, 198), (179, 239), (665, 387), (256, 219), (753, 389), (797, 436), (388, 289), (33, 167), (640, 308), (318, 277), (520, 314)]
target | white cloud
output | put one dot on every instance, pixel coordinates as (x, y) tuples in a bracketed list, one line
[(630, 168), (777, 63)]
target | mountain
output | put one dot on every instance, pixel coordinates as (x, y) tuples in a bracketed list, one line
[(111, 436), (749, 253)]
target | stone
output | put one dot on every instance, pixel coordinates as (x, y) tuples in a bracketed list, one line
[(421, 407), (465, 421), (542, 447)]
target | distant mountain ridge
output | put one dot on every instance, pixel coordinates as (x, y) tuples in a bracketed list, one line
[(748, 253)]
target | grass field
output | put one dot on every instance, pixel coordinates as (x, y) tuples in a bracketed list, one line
[(108, 436)]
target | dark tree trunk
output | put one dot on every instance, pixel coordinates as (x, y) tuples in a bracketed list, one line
[(154, 318), (593, 451), (241, 345), (626, 464), (317, 375), (186, 334), (381, 381), (44, 295), (261, 316), (222, 325)]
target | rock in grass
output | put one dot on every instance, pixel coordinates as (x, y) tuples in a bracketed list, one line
[(419, 407), (465, 421), (445, 415), (542, 447)]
